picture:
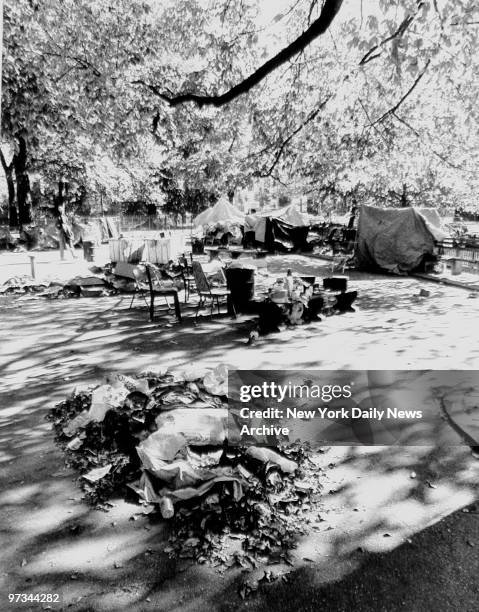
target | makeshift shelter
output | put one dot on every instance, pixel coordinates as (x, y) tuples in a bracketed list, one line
[(284, 229), (395, 239), (221, 213)]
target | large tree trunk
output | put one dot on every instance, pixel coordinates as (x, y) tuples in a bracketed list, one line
[(12, 203), (23, 181)]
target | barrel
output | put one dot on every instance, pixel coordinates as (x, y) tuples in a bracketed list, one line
[(240, 282)]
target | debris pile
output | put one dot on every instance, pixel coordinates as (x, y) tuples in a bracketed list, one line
[(164, 436), (79, 286), (20, 285)]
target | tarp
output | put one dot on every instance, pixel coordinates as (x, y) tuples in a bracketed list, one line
[(281, 236), (221, 212), (289, 215), (431, 215), (394, 239)]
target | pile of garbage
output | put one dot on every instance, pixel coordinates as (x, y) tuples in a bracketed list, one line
[(86, 286), (20, 285), (94, 282), (163, 436)]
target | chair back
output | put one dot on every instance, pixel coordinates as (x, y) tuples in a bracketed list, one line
[(139, 273), (201, 281), (185, 266)]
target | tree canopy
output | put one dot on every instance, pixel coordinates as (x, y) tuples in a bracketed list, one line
[(194, 98)]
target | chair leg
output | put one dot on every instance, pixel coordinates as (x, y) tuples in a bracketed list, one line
[(200, 303), (132, 300), (152, 306), (231, 306), (177, 308)]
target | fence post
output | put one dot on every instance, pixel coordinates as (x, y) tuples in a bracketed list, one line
[(32, 265)]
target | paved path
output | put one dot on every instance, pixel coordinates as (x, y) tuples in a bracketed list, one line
[(108, 562)]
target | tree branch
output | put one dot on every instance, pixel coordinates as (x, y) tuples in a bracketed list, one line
[(4, 162), (371, 124), (392, 110), (285, 142), (444, 159), (317, 28), (370, 55)]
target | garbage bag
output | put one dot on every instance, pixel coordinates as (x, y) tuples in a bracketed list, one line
[(207, 426), (271, 457), (216, 381), (79, 422), (104, 398)]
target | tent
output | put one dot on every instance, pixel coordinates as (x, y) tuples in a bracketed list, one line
[(395, 239), (221, 213), (279, 230)]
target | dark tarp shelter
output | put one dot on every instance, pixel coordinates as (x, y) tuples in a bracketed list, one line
[(281, 230), (283, 237), (394, 239)]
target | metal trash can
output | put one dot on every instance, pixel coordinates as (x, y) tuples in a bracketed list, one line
[(240, 282)]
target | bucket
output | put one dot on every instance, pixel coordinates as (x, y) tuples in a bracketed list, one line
[(240, 282)]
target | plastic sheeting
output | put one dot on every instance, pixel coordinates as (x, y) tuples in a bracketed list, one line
[(221, 212), (394, 239)]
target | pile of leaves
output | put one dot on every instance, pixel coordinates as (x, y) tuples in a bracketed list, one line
[(221, 527), (112, 441), (261, 527)]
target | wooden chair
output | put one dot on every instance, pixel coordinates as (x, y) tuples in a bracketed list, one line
[(206, 292)]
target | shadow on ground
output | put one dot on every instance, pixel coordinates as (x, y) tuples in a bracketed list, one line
[(107, 561)]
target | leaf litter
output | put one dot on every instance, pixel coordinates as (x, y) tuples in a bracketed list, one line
[(229, 506)]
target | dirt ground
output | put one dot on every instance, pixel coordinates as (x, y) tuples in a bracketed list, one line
[(54, 542)]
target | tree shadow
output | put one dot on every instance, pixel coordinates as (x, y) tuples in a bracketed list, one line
[(54, 345)]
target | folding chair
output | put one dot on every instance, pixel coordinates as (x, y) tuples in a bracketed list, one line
[(152, 275), (206, 292), (146, 276), (186, 275)]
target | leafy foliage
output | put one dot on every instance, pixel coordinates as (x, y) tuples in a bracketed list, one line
[(383, 107)]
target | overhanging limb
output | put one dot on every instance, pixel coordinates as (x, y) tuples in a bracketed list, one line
[(317, 28)]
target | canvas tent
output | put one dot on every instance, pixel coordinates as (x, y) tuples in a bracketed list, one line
[(395, 239), (221, 213)]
